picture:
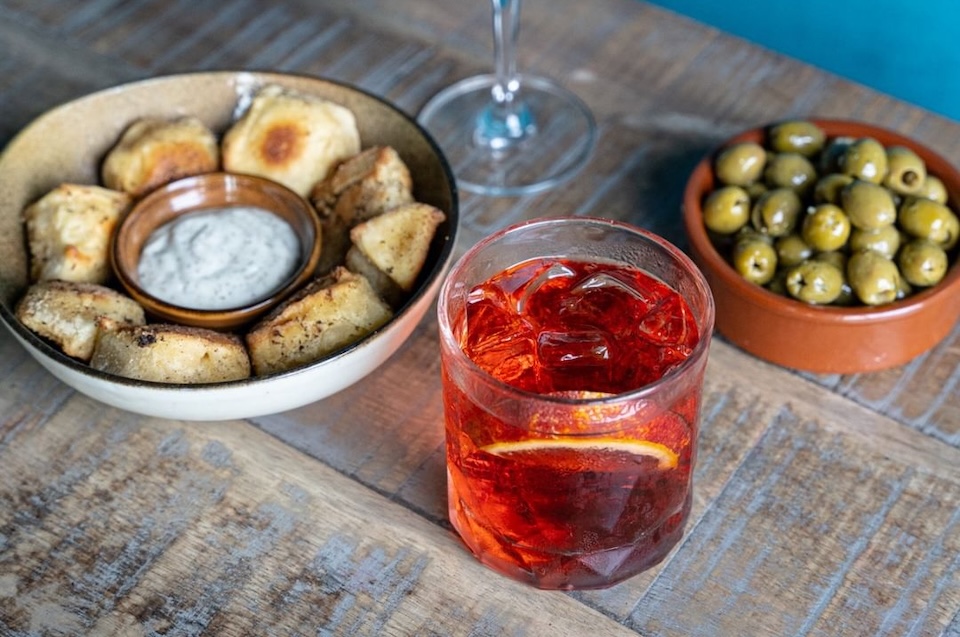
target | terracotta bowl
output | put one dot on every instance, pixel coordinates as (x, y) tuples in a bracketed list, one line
[(68, 143), (205, 192), (814, 338)]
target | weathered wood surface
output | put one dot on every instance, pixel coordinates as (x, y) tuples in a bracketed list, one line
[(825, 505)]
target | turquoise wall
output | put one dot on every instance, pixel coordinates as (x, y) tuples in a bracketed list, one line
[(910, 50)]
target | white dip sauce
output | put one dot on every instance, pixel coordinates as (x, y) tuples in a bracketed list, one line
[(219, 258)]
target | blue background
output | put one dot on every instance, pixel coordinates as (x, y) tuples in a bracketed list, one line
[(907, 49)]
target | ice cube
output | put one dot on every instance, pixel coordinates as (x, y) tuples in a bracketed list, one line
[(607, 281), (597, 300), (563, 350), (551, 273), (506, 346), (665, 325)]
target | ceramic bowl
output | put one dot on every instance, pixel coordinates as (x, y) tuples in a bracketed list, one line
[(68, 143), (207, 192), (815, 338)]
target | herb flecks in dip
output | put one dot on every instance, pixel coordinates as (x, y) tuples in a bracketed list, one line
[(219, 258)]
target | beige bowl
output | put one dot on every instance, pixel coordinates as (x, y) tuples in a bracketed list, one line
[(68, 143), (205, 192), (824, 339)]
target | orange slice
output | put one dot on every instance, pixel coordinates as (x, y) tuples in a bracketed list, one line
[(666, 458)]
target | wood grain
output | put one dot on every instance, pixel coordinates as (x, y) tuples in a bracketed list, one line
[(824, 505)]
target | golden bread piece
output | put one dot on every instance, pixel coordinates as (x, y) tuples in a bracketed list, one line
[(397, 241), (67, 313), (385, 287), (69, 231), (364, 186), (329, 314), (153, 152), (169, 353), (291, 138)]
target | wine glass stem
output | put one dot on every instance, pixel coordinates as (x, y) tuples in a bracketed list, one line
[(507, 119)]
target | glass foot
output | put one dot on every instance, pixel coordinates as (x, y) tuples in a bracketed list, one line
[(544, 143)]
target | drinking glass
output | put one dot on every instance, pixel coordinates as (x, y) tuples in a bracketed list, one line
[(588, 482), (510, 134)]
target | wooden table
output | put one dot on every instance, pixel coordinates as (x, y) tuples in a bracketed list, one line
[(825, 505)]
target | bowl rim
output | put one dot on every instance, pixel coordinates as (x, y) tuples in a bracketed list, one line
[(234, 316), (256, 77), (702, 180)]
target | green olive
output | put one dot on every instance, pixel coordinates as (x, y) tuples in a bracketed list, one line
[(832, 154), (776, 212), (953, 232), (874, 278), (797, 136), (906, 171), (828, 188), (826, 228), (868, 205), (792, 249), (928, 219), (865, 159), (755, 260), (905, 289), (922, 263), (789, 170), (816, 282), (740, 164), (885, 240), (836, 257), (933, 188), (726, 209)]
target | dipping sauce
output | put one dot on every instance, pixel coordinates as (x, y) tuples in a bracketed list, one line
[(219, 258)]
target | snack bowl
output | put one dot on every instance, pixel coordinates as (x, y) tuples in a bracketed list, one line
[(823, 339), (67, 145), (213, 191)]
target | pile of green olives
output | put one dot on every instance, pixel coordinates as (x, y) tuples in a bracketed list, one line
[(830, 221)]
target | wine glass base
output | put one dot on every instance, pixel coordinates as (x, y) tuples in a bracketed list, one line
[(552, 149)]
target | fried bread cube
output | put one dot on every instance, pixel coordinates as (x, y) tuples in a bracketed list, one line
[(397, 242), (154, 151), (69, 231), (329, 314), (291, 138), (68, 313), (169, 353), (364, 186)]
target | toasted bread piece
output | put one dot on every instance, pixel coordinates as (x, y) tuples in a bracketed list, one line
[(67, 313), (291, 138), (154, 151), (169, 353), (397, 241), (329, 314), (385, 287), (364, 186), (69, 231)]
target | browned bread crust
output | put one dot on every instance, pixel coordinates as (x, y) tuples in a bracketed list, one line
[(291, 138), (397, 242), (68, 313), (327, 315), (153, 152), (170, 354), (69, 231)]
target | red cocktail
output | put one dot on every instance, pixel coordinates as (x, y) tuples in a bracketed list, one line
[(573, 353)]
